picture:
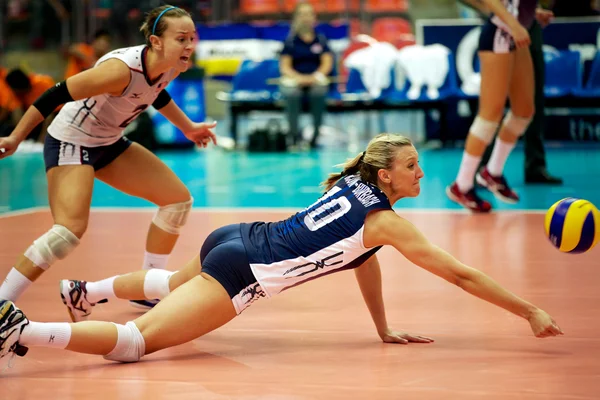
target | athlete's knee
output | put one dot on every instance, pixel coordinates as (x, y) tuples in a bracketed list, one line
[(130, 346), (517, 125), (53, 245), (484, 129), (172, 217), (156, 283), (77, 227), (524, 111)]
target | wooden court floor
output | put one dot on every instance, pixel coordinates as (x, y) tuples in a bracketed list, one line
[(317, 341)]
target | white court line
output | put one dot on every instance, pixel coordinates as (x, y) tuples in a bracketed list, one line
[(310, 189), (24, 211), (242, 210), (218, 189), (293, 210), (264, 189)]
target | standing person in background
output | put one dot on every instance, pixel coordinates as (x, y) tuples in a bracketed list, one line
[(506, 73), (535, 156)]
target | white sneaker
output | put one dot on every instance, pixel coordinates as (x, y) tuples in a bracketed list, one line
[(73, 294), (12, 322)]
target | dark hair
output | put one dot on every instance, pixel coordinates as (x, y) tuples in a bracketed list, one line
[(17, 79), (153, 27), (380, 154)]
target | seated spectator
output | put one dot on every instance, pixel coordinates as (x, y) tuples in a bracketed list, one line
[(305, 63)]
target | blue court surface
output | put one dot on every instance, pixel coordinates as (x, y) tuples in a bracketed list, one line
[(221, 179)]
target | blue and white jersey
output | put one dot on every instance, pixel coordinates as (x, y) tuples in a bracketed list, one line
[(323, 238)]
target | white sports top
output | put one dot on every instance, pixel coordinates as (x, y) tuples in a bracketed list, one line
[(100, 120)]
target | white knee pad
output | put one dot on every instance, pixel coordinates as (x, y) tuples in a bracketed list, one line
[(172, 217), (156, 283), (484, 129), (515, 125), (53, 245), (130, 344)]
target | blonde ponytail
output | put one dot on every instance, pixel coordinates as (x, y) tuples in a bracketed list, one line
[(380, 154), (350, 167)]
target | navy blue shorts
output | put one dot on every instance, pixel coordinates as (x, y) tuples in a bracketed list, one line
[(57, 152), (223, 256), (495, 39)]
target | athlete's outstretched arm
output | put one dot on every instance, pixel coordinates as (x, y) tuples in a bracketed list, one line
[(406, 238), (368, 276), (198, 132), (112, 76)]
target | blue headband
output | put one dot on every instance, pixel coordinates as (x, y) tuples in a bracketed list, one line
[(160, 15)]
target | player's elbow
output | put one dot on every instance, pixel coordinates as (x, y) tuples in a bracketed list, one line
[(466, 277), (442, 264)]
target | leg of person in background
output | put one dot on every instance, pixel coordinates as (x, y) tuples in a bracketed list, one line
[(293, 106), (317, 94), (521, 94), (535, 156), (485, 158), (496, 73)]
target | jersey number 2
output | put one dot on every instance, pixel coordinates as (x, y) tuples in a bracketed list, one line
[(137, 111)]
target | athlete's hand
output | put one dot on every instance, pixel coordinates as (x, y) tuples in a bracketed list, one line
[(520, 36), (201, 133), (391, 336), (8, 145), (543, 325), (544, 17)]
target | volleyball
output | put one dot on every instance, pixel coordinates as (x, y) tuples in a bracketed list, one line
[(573, 225)]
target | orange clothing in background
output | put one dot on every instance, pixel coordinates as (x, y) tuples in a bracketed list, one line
[(75, 66), (39, 84), (8, 101)]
